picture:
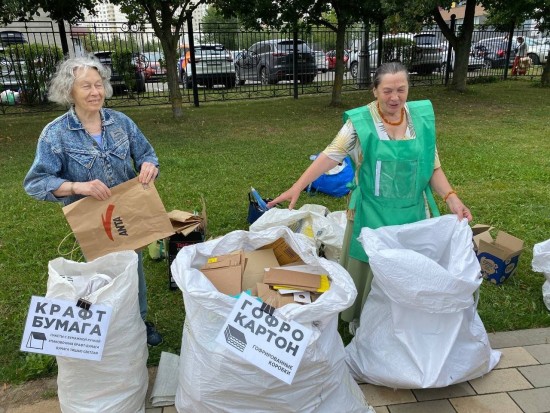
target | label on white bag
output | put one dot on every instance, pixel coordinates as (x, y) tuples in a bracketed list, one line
[(267, 341), (61, 328)]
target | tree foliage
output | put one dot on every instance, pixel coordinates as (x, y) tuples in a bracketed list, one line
[(58, 10), (168, 19), (219, 29)]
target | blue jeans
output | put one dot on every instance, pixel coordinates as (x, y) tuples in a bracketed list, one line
[(142, 287)]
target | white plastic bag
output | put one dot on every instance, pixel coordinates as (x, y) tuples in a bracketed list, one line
[(541, 263), (314, 221), (213, 379), (419, 327), (117, 383)]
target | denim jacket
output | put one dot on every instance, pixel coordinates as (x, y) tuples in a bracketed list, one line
[(66, 152)]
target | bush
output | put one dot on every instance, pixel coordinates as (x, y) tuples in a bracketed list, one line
[(33, 66), (125, 67), (39, 365)]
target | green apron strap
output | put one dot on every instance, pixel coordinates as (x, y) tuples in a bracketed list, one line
[(431, 202)]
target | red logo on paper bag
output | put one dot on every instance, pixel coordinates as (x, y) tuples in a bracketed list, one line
[(106, 219)]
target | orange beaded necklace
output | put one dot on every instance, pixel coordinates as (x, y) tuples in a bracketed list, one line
[(399, 122)]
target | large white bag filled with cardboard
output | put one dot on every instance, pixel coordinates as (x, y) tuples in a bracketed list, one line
[(214, 379), (117, 383), (541, 263), (419, 327)]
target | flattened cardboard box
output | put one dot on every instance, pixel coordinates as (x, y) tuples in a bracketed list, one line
[(497, 257), (226, 272), (256, 262), (272, 297), (296, 279)]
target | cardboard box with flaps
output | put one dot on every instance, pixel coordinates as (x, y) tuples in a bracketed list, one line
[(499, 256)]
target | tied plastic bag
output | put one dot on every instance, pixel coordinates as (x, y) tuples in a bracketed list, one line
[(335, 181), (322, 227), (117, 383), (541, 263), (421, 311), (214, 379)]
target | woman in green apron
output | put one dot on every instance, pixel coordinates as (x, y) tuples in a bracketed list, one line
[(392, 145)]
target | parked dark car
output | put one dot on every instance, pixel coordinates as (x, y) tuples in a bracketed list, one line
[(426, 56), (8, 37), (493, 51), (270, 61), (117, 79)]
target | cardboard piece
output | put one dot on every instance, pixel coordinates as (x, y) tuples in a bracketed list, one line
[(498, 257), (226, 272), (283, 252), (299, 280), (272, 297), (256, 262), (479, 228)]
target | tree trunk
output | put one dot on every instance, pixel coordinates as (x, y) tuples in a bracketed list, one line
[(462, 48), (174, 92), (170, 47), (339, 69), (460, 71), (461, 44)]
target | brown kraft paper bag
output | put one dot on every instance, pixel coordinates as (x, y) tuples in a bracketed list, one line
[(130, 219)]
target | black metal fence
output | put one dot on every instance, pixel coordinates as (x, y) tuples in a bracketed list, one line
[(252, 64)]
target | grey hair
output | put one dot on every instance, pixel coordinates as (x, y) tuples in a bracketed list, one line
[(62, 81), (389, 68)]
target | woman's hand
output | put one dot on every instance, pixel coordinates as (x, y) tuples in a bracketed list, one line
[(96, 189), (291, 195), (457, 207), (147, 173)]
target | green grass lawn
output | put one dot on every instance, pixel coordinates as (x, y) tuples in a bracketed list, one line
[(492, 140)]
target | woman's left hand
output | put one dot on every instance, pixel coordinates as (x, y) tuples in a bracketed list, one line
[(147, 173), (457, 207)]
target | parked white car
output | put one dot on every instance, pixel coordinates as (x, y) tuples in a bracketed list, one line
[(537, 50), (214, 66)]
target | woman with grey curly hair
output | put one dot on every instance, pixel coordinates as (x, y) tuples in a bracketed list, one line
[(90, 149), (62, 82)]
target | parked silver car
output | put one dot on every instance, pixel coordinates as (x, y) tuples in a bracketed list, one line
[(475, 61)]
